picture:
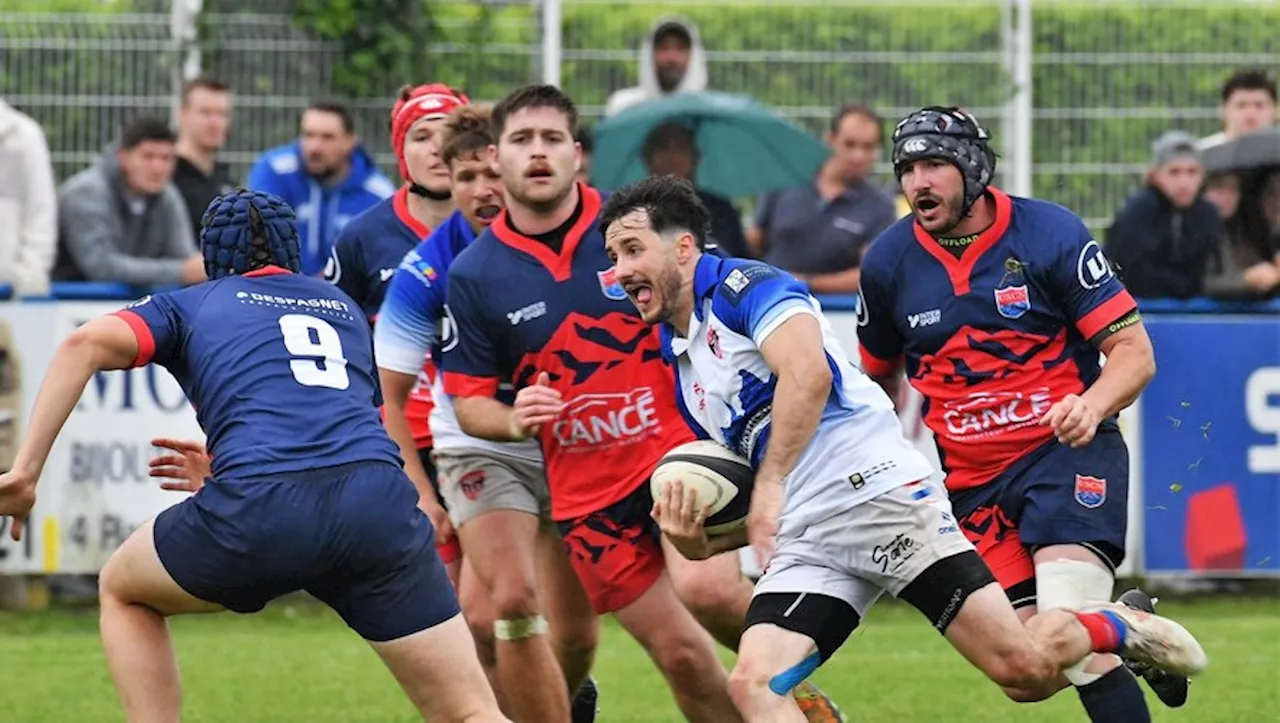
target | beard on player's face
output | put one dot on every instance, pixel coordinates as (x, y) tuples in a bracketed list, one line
[(656, 294), (937, 213)]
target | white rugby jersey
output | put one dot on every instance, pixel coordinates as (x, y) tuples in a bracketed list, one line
[(726, 391)]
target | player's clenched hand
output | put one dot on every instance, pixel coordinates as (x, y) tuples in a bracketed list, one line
[(682, 520), (762, 518), (17, 497), (1073, 420), (189, 463), (535, 405)]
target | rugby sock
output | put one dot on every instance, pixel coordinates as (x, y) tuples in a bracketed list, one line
[(1115, 698), (1106, 630)]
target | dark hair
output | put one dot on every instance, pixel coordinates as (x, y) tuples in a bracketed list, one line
[(1250, 79), (336, 108), (145, 128), (467, 131), (203, 82), (668, 136), (859, 109), (534, 96), (673, 29), (670, 202), (586, 139)]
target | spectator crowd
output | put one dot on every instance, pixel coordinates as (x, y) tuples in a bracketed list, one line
[(1201, 223)]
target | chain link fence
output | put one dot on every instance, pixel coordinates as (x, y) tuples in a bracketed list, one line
[(1108, 77)]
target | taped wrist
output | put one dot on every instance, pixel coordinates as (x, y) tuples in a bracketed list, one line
[(520, 629)]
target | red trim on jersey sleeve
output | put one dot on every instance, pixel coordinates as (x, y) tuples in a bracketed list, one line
[(960, 269), (142, 332), (465, 385), (877, 367), (559, 265), (400, 205), (1105, 313), (270, 270)]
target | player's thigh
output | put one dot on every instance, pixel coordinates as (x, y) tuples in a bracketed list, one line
[(500, 547), (1079, 497), (439, 670), (135, 575), (615, 552), (660, 622), (564, 601), (706, 585)]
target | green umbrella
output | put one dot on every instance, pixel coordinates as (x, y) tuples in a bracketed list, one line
[(745, 148)]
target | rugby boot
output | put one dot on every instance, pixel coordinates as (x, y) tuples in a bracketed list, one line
[(1170, 689)]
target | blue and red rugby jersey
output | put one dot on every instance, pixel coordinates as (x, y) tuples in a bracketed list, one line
[(994, 338), (257, 355), (520, 308), (362, 262)]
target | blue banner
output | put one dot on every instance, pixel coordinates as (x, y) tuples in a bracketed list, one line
[(1211, 446)]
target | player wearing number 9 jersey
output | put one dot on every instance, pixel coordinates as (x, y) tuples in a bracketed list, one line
[(297, 501)]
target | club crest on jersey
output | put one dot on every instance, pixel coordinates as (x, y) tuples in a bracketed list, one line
[(609, 284), (1091, 492), (1013, 301), (713, 341)]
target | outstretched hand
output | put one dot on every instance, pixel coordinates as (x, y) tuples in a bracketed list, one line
[(189, 463)]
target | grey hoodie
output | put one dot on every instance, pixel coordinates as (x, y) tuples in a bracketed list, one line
[(108, 242), (694, 81)]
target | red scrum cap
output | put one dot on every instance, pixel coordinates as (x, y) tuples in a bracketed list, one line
[(432, 101)]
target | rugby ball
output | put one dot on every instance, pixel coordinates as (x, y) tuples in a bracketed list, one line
[(718, 475)]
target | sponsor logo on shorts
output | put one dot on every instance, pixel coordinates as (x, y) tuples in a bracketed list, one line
[(893, 556), (1091, 492), (472, 484)]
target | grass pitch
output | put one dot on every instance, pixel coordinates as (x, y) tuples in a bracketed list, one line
[(298, 662)]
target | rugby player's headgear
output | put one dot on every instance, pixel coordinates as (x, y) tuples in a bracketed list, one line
[(430, 102), (947, 134), (246, 230)]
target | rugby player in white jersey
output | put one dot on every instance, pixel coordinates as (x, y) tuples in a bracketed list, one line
[(842, 509)]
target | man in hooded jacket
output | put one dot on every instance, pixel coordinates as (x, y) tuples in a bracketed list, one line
[(672, 60)]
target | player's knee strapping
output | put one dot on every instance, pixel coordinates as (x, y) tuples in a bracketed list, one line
[(1071, 585), (520, 628), (782, 683)]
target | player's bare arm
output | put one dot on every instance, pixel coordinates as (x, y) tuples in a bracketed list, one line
[(396, 387), (488, 418), (1131, 364), (794, 353), (102, 344), (840, 282)]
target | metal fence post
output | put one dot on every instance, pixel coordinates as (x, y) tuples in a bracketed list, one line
[(1019, 59), (183, 17), (551, 42)]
